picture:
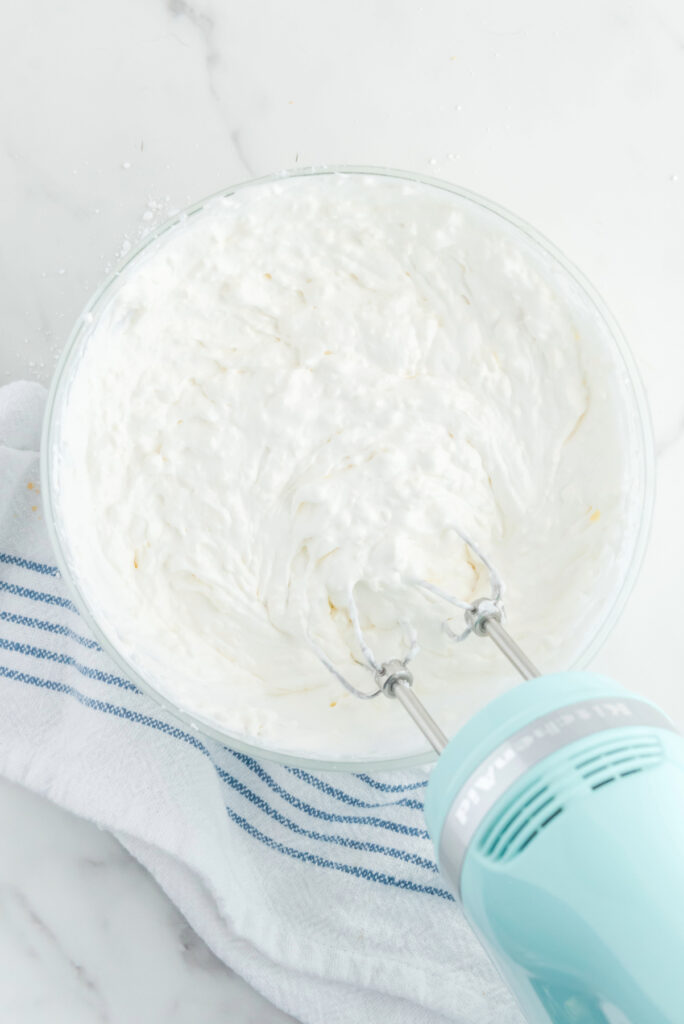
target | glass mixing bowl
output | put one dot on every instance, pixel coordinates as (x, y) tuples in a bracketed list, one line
[(638, 441)]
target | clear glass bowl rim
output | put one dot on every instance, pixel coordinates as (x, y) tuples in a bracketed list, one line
[(101, 296)]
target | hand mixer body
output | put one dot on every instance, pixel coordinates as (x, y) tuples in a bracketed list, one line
[(558, 815)]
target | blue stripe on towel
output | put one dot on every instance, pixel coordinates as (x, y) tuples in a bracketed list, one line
[(37, 595), (24, 563), (50, 627), (386, 788), (346, 798), (66, 659)]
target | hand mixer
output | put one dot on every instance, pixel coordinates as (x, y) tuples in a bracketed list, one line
[(557, 815)]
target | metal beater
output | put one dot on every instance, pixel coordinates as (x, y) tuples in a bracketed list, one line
[(393, 678)]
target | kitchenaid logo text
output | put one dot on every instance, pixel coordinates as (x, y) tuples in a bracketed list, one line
[(494, 774)]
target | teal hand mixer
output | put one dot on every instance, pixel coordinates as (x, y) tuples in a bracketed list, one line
[(557, 815)]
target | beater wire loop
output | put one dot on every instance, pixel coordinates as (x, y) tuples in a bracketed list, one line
[(322, 656), (377, 668), (476, 613)]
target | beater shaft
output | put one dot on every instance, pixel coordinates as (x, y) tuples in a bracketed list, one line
[(420, 716), (399, 685), (492, 628)]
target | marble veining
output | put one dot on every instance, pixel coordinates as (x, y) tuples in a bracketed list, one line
[(87, 936)]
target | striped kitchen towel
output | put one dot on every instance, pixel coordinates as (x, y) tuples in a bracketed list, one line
[(319, 888)]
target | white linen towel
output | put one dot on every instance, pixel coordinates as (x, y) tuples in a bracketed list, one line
[(319, 888)]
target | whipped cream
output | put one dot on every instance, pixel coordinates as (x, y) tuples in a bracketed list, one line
[(302, 389)]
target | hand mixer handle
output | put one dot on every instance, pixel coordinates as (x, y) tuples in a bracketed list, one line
[(556, 815)]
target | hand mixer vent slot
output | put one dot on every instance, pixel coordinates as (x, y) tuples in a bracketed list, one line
[(613, 760), (521, 821), (540, 802)]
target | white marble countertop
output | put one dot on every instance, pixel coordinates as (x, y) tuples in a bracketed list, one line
[(112, 115)]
